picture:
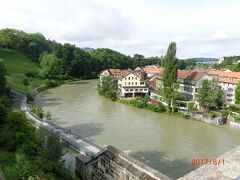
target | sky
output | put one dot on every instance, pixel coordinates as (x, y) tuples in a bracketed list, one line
[(201, 28)]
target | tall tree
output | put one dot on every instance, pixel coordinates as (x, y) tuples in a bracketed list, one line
[(237, 96), (50, 66), (170, 72), (209, 94)]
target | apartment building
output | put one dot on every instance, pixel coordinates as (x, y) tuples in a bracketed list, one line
[(189, 82), (228, 81), (130, 83)]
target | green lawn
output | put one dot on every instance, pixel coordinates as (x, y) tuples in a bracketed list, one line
[(17, 65)]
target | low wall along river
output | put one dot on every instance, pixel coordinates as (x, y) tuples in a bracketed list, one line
[(162, 141)]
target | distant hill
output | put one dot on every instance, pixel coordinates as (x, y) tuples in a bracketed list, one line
[(203, 59), (20, 70)]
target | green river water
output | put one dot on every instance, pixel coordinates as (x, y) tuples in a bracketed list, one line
[(162, 141)]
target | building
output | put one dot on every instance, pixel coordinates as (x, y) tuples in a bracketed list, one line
[(189, 82), (130, 83), (228, 82)]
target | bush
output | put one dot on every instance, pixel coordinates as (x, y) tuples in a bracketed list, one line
[(233, 107), (51, 83), (29, 98), (213, 114), (31, 74), (25, 82), (191, 107), (237, 118), (38, 111), (48, 115)]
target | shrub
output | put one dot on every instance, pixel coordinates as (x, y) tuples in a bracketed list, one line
[(237, 118), (31, 74), (191, 107), (38, 111), (29, 98), (233, 107), (51, 83), (25, 82), (213, 114), (48, 115)]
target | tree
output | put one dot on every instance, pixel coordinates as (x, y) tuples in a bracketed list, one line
[(2, 78), (170, 72), (209, 94), (50, 66), (108, 88), (237, 94), (18, 133)]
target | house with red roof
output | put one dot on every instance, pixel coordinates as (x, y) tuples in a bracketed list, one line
[(130, 83)]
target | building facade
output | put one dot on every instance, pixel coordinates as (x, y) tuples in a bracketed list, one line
[(228, 82), (130, 83)]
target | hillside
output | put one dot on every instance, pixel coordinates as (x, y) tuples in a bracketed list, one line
[(22, 73)]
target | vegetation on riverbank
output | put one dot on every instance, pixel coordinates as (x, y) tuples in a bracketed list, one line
[(108, 88), (142, 103), (27, 152)]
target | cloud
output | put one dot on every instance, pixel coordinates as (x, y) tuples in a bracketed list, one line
[(200, 28), (67, 20)]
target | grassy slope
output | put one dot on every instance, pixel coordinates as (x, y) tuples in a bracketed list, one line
[(17, 65)]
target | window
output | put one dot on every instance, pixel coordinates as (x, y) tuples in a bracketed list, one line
[(132, 78), (131, 89), (125, 83), (136, 78), (126, 89), (135, 83), (145, 89), (140, 89), (128, 78), (128, 83), (141, 83), (132, 83), (136, 89), (125, 78)]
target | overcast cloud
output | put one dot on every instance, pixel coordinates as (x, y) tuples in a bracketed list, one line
[(206, 28)]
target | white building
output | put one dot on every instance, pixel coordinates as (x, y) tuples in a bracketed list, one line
[(190, 81), (228, 81), (130, 83)]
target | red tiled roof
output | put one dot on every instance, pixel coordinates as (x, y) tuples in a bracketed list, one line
[(119, 74), (226, 77), (182, 74), (153, 70)]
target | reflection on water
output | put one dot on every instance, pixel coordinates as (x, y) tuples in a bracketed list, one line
[(165, 142)]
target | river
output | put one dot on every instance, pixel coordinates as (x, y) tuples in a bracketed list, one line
[(162, 141)]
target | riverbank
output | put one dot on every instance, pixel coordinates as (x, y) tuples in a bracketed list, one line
[(143, 103)]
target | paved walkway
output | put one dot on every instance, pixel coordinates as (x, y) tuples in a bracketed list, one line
[(1, 175)]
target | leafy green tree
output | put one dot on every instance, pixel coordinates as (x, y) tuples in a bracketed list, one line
[(24, 169), (2, 78), (50, 66), (170, 72), (237, 92), (67, 51), (5, 107), (209, 94), (108, 88), (18, 133)]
